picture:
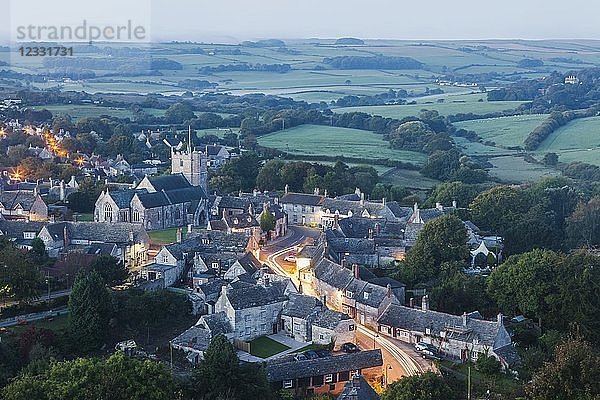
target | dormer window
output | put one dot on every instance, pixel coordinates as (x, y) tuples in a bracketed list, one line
[(205, 241), (366, 296), (349, 294)]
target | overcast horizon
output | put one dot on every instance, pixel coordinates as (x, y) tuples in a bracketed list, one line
[(232, 21)]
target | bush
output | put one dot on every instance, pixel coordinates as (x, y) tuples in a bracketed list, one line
[(487, 365)]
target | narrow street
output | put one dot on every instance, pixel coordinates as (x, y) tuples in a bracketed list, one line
[(396, 358)]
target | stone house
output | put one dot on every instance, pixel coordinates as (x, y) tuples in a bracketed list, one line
[(455, 336), (23, 205), (20, 232), (217, 155), (321, 375), (303, 209), (252, 310), (248, 264)]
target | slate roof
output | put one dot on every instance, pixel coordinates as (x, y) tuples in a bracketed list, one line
[(328, 319), (101, 248), (376, 295), (333, 274), (249, 263), (241, 221), (233, 202), (384, 281), (174, 196), (218, 225), (300, 306), (122, 198), (16, 229), (217, 323), (402, 213), (349, 245), (115, 232), (168, 182), (358, 389), (509, 355), (287, 368), (10, 200), (196, 338), (244, 295), (415, 319), (213, 150), (218, 242), (303, 199), (357, 209), (359, 227)]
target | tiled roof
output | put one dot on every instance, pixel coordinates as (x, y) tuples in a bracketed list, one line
[(358, 389), (115, 232), (303, 199), (349, 245), (209, 242), (328, 319), (10, 200), (217, 323), (218, 225), (168, 182), (237, 203), (243, 295), (241, 221), (196, 338), (15, 229), (249, 263), (101, 248), (358, 227), (415, 319), (300, 306), (288, 368)]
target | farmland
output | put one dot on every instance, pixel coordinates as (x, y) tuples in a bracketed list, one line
[(452, 105), (504, 131), (316, 140), (579, 140)]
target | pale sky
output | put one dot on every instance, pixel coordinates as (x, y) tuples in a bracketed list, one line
[(236, 20)]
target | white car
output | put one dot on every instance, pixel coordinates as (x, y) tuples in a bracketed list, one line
[(290, 258)]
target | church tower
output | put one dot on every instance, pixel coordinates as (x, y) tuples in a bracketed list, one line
[(190, 162)]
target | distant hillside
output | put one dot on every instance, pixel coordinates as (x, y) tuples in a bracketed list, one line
[(372, 62), (350, 41)]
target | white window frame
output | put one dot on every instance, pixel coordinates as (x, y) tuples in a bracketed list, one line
[(328, 378), (288, 384)]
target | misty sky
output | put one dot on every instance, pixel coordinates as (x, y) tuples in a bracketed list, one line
[(234, 20)]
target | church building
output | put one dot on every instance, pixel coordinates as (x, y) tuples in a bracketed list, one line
[(162, 202)]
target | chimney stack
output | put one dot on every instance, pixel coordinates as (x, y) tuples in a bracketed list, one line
[(316, 191), (65, 236), (383, 201), (323, 299), (325, 193), (411, 302), (343, 263), (356, 271), (500, 319), (362, 199), (370, 233), (189, 229), (179, 235), (425, 303), (454, 204), (465, 319), (389, 290), (287, 188), (439, 206)]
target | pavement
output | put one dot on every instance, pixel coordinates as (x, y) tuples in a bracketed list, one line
[(19, 319)]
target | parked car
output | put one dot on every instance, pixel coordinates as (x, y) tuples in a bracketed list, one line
[(350, 348), (422, 346), (290, 258), (431, 354), (311, 355)]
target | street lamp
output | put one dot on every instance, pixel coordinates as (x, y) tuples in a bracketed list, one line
[(388, 366), (374, 337), (48, 282)]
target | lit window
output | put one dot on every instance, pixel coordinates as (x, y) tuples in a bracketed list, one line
[(328, 378), (108, 212), (288, 384)]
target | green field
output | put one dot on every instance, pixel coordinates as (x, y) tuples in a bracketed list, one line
[(408, 178), (448, 107), (505, 131), (333, 141), (516, 169), (76, 111), (579, 140)]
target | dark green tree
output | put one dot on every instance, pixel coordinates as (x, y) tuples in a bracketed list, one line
[(89, 311), (425, 386), (441, 245), (267, 222)]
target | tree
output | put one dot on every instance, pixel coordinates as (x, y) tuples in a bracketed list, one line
[(526, 283), (550, 159), (179, 113), (21, 278), (110, 269), (267, 222), (441, 244), (583, 226), (116, 378), (220, 376), (89, 311), (425, 386), (269, 177), (446, 192), (574, 373), (38, 251)]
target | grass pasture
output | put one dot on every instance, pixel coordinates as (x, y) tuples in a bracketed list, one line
[(164, 236), (579, 140), (76, 111), (504, 131), (320, 140), (516, 169), (450, 106), (408, 178)]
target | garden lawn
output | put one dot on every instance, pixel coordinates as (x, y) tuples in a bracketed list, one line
[(265, 347)]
